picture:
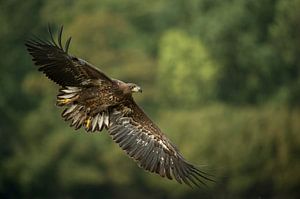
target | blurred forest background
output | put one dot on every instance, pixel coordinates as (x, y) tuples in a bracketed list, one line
[(221, 78)]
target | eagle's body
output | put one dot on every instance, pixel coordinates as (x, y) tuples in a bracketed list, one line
[(95, 101)]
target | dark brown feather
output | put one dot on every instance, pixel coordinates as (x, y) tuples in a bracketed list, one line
[(58, 65)]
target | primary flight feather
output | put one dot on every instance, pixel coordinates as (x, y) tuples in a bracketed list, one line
[(94, 101)]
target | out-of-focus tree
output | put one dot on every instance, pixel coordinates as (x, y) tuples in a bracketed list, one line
[(237, 34), (253, 152), (14, 65), (286, 39), (186, 73)]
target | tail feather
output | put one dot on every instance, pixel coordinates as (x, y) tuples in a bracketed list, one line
[(78, 110), (100, 122), (95, 122), (80, 121), (70, 89), (66, 96), (69, 110), (79, 117)]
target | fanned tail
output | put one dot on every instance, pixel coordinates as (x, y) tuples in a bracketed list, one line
[(78, 114)]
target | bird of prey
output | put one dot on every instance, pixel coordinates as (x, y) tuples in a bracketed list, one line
[(95, 101)]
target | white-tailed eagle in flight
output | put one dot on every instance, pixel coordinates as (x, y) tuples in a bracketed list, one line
[(95, 101)]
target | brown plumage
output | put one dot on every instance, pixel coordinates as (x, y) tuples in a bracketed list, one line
[(94, 101)]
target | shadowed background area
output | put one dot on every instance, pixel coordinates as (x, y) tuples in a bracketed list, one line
[(221, 78)]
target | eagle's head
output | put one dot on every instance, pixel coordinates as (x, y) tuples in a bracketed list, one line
[(134, 88), (128, 88)]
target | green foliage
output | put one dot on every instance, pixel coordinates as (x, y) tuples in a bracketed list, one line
[(185, 70), (285, 35), (221, 78), (237, 33), (251, 150)]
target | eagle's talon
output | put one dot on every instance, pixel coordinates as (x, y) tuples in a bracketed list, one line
[(63, 101), (87, 123)]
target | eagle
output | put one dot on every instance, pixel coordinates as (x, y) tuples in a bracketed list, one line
[(95, 101)]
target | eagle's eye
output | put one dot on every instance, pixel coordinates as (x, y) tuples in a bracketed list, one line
[(135, 88)]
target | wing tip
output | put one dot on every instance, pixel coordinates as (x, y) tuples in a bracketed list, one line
[(194, 175), (36, 42), (161, 158)]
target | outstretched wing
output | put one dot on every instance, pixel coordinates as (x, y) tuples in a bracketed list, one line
[(66, 70), (142, 140), (73, 74)]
